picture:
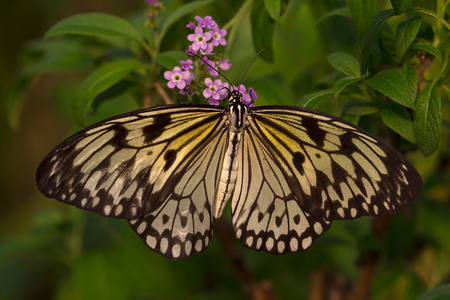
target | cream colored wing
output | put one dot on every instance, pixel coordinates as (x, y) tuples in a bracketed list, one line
[(303, 168), (158, 166)]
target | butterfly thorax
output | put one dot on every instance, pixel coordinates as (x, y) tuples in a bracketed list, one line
[(237, 116)]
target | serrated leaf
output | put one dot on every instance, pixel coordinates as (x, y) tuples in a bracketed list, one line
[(397, 118), (406, 33), (400, 6), (180, 12), (362, 12), (95, 24), (100, 80), (428, 119), (393, 84), (360, 108), (343, 83), (366, 41), (345, 63), (273, 8), (428, 48), (170, 59), (262, 30), (311, 100)]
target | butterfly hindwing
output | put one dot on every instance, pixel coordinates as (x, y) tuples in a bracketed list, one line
[(182, 225), (267, 216)]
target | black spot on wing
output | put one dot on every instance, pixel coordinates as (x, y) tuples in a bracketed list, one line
[(314, 132), (298, 160), (170, 156), (156, 129)]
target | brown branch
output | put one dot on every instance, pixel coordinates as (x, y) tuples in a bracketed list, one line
[(162, 92), (256, 291)]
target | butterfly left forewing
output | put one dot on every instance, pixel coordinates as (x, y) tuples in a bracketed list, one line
[(120, 167), (335, 169)]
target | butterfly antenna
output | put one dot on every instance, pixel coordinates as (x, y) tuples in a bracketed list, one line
[(249, 67), (193, 54)]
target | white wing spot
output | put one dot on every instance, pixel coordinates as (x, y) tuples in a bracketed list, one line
[(259, 242), (375, 209), (72, 197), (269, 244), (164, 244), (95, 201), (151, 241), (198, 245), (293, 244), (318, 228), (249, 241), (365, 207), (340, 212), (188, 248), (107, 210), (239, 233), (306, 242), (176, 250), (119, 209), (141, 227), (63, 196), (83, 202), (353, 212), (281, 246)]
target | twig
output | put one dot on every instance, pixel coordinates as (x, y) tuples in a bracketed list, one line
[(256, 291)]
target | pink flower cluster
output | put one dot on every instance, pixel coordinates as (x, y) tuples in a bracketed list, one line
[(207, 35)]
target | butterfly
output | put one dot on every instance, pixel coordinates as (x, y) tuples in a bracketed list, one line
[(170, 170)]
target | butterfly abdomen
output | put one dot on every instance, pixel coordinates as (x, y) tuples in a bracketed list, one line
[(237, 118)]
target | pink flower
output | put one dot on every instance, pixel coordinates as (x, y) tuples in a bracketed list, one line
[(218, 37), (177, 78), (199, 38), (213, 90)]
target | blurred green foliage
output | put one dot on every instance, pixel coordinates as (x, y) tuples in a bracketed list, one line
[(383, 65)]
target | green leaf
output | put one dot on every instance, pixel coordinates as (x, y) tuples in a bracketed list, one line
[(430, 13), (273, 8), (311, 100), (95, 24), (170, 59), (341, 11), (100, 80), (345, 63), (362, 12), (360, 108), (438, 293), (180, 12), (428, 48), (14, 99), (406, 33), (428, 119), (262, 30), (393, 84), (366, 41), (400, 6), (343, 83), (397, 118), (410, 75)]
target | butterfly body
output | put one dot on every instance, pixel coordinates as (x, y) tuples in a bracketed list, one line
[(170, 170)]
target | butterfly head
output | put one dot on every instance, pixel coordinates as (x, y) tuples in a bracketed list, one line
[(235, 97)]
